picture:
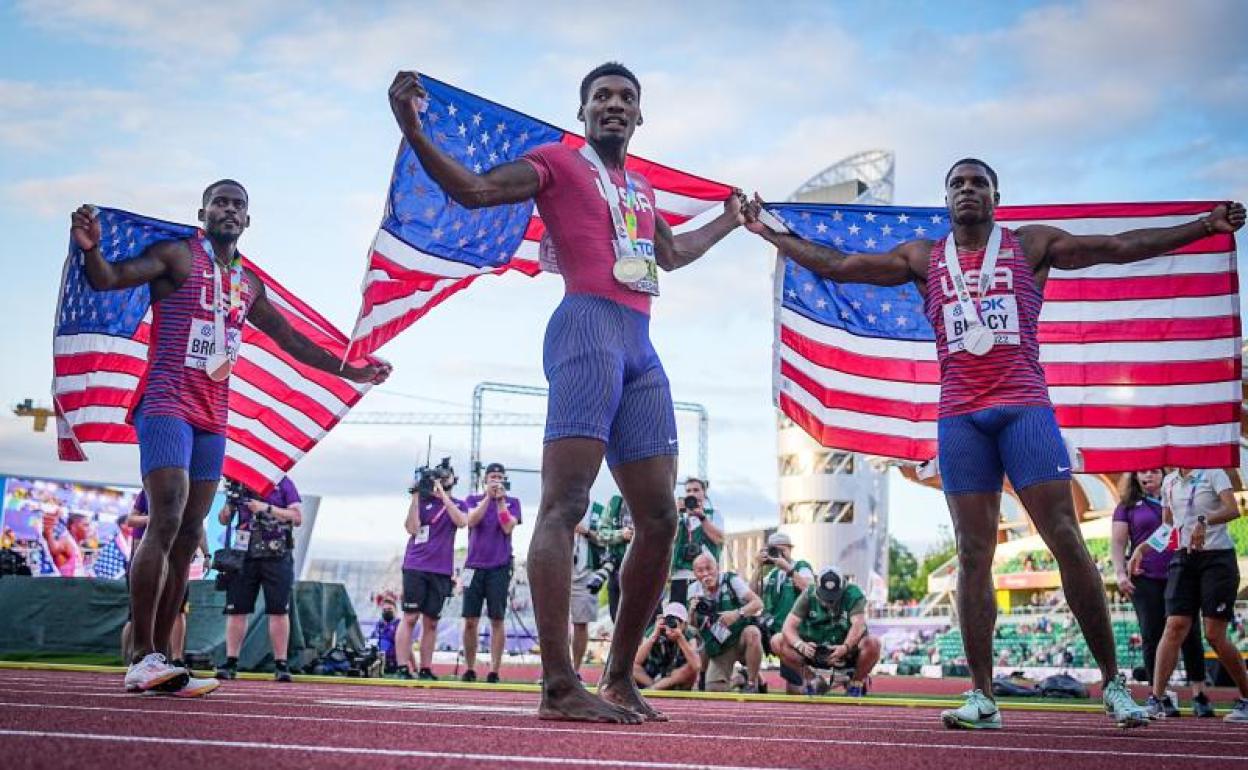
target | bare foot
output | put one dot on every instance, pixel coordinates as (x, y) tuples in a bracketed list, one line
[(624, 693), (575, 704)]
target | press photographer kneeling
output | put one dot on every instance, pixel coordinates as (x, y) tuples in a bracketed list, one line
[(258, 554), (779, 580), (723, 609), (827, 629), (670, 654)]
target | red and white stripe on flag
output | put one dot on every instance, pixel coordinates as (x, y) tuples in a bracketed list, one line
[(1143, 360)]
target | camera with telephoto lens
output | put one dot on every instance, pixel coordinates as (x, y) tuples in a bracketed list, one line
[(599, 576), (671, 621), (236, 494), (774, 552), (823, 656), (689, 504), (705, 610), (426, 475)]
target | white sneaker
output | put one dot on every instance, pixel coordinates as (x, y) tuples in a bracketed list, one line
[(978, 713), (194, 688), (152, 671), (1120, 706)]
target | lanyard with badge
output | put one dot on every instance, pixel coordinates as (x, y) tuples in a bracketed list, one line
[(225, 350), (977, 339), (422, 534)]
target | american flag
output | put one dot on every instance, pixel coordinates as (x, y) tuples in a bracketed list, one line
[(429, 247), (279, 408), (1142, 360)]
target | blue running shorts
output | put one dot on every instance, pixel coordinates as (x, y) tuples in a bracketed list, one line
[(606, 381), (978, 448), (171, 442)]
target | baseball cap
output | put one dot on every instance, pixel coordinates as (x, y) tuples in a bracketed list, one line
[(495, 468), (676, 609), (829, 587), (779, 539)]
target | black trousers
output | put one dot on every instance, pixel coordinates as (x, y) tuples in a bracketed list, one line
[(1150, 610)]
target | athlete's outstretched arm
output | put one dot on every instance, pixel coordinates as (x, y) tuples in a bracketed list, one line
[(1051, 246), (508, 183), (268, 320), (905, 263), (166, 259), (674, 251)]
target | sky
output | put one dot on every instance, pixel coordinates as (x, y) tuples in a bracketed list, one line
[(138, 105)]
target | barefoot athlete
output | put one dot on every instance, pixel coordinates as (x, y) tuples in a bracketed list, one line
[(608, 392), (995, 415), (201, 294)]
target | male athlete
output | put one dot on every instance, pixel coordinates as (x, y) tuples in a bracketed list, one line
[(995, 414), (608, 392), (201, 294)]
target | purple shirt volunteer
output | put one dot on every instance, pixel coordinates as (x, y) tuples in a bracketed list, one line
[(1142, 520), (437, 553), (488, 545), (283, 495)]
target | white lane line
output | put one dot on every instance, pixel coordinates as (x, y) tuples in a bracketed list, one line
[(1092, 727), (650, 734), (368, 751)]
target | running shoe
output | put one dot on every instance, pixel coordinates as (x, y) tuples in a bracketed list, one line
[(195, 687), (492, 677), (1201, 707), (1169, 705), (1156, 709), (469, 676), (426, 675), (978, 713), (1239, 712), (282, 675), (1121, 707), (226, 671), (406, 673), (856, 689), (153, 671)]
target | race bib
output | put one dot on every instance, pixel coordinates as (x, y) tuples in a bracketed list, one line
[(720, 631), (422, 535), (242, 540), (200, 344), (1000, 316)]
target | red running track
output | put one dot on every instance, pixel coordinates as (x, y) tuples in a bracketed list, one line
[(60, 719)]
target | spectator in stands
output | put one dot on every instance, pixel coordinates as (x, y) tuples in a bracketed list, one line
[(383, 634), (431, 524), (1203, 578), (1137, 516), (265, 533), (670, 654), (721, 607), (827, 629), (611, 530), (492, 517), (699, 529), (779, 580)]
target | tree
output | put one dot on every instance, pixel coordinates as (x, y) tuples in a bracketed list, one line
[(903, 568)]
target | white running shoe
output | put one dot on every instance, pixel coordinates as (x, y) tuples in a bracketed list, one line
[(194, 688), (152, 671), (1120, 706), (978, 713)]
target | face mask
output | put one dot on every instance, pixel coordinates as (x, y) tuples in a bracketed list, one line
[(387, 616)]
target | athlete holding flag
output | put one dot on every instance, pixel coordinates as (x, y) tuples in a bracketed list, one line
[(983, 287), (201, 294)]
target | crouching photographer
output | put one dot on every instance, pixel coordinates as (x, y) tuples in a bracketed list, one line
[(670, 654), (827, 629), (259, 555), (779, 580), (723, 610)]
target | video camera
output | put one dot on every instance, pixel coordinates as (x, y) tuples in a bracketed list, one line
[(426, 475)]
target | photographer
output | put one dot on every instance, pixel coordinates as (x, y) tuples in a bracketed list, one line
[(827, 629), (492, 517), (699, 530), (588, 576), (611, 531), (723, 608), (432, 520), (670, 657), (780, 581), (265, 534), (1202, 578)]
